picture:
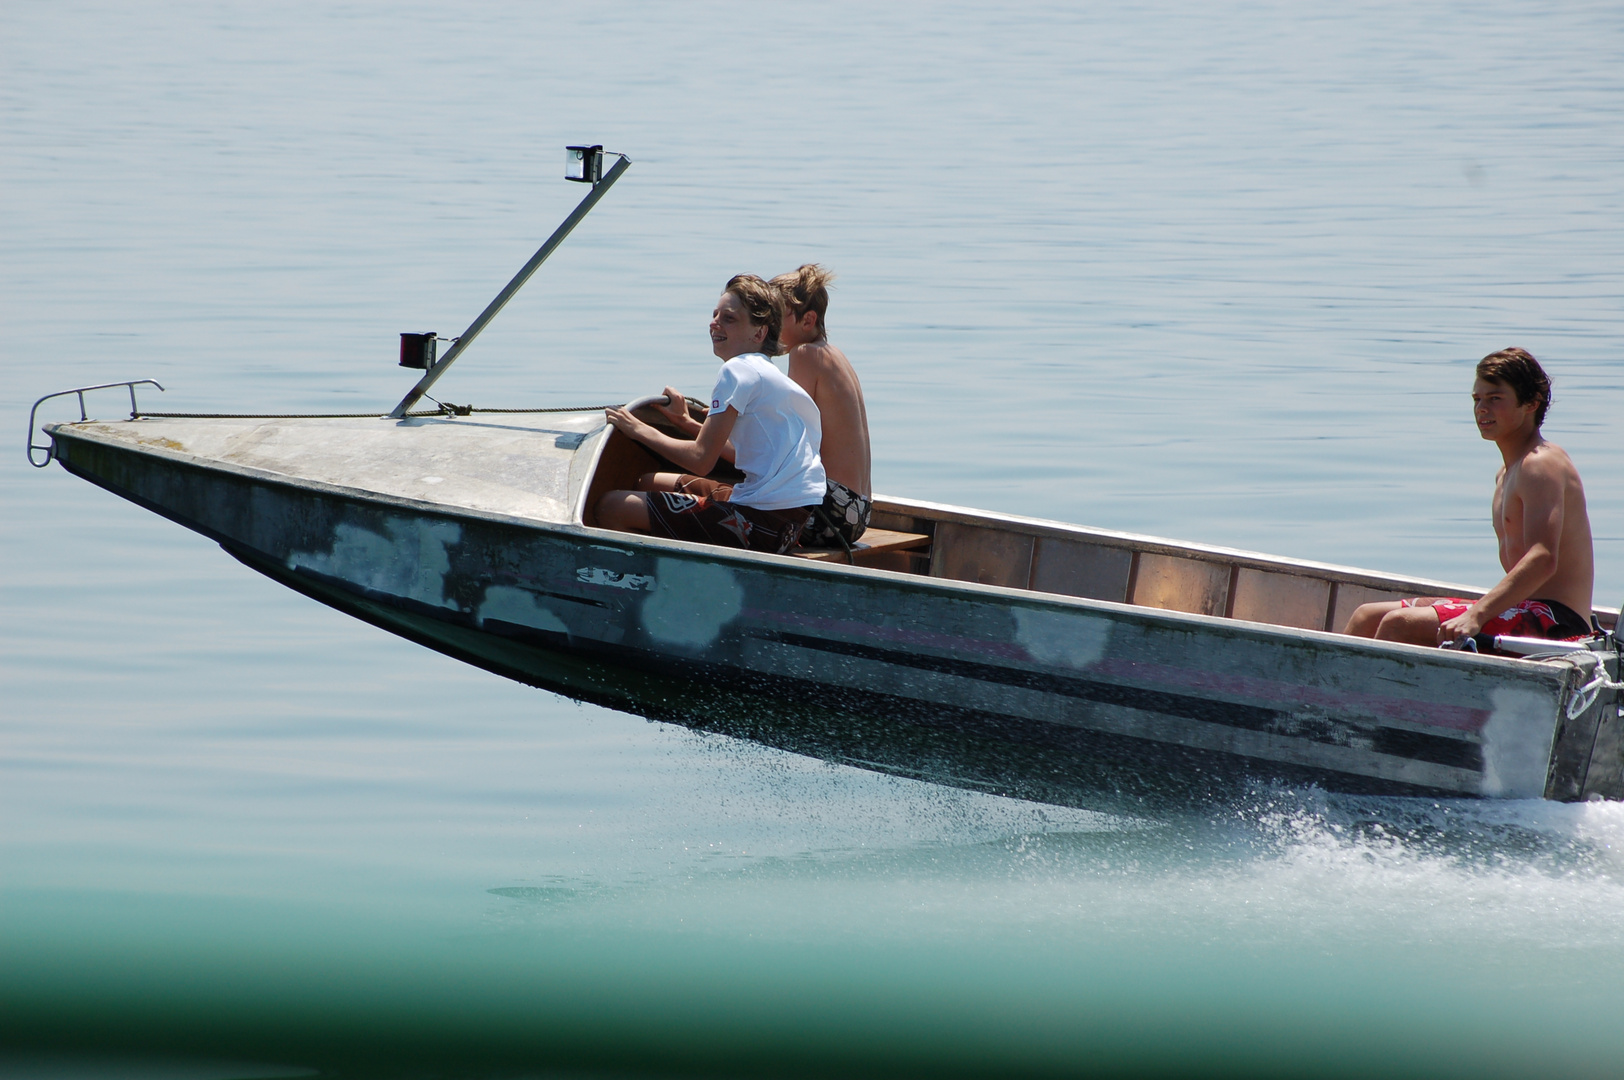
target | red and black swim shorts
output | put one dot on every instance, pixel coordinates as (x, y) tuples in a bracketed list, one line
[(1531, 618)]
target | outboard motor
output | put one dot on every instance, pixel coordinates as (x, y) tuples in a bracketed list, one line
[(1588, 757), (1605, 776)]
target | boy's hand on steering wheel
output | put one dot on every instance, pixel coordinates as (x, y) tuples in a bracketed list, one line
[(623, 421), (675, 408)]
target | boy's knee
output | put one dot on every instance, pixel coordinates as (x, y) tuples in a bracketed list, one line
[(1364, 620), (615, 510), (1406, 624)]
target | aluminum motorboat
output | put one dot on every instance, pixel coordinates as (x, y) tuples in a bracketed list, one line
[(1013, 654)]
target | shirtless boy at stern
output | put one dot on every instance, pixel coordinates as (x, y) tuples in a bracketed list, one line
[(1539, 519), (824, 372)]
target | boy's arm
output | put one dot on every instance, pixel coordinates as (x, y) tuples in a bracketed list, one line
[(1540, 489), (698, 456), (675, 409)]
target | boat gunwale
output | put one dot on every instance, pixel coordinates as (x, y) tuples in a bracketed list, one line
[(1024, 525), (936, 512), (1161, 545), (782, 563)]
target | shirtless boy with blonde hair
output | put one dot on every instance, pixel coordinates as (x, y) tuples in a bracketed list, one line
[(1539, 519), (824, 372)]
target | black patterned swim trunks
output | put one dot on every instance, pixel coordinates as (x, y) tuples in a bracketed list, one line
[(844, 513), (700, 511)]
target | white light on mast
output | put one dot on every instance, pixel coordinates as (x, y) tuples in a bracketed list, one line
[(583, 164)]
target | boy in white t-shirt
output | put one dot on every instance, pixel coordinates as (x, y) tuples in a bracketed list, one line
[(775, 432)]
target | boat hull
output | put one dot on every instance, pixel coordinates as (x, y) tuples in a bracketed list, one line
[(1032, 694)]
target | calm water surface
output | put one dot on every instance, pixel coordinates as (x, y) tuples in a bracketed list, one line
[(1215, 275)]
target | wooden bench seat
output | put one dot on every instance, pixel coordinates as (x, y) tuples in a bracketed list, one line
[(873, 542)]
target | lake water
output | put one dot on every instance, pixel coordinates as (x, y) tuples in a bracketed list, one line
[(1214, 273)]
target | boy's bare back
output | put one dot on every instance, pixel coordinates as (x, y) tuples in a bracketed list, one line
[(824, 372)]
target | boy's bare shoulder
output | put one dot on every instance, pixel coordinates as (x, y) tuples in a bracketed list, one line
[(812, 352), (1544, 470), (820, 356), (1549, 460)]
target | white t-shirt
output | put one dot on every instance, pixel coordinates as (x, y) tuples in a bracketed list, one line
[(775, 439)]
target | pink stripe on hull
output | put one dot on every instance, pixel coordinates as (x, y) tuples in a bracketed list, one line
[(862, 632), (1144, 674), (1285, 695)]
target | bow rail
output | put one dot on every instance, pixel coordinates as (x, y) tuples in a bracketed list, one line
[(81, 391)]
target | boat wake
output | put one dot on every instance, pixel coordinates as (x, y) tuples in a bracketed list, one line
[(1516, 836)]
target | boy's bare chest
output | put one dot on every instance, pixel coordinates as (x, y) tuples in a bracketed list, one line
[(1504, 506)]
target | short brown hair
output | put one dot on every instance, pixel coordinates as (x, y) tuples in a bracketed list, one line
[(804, 290), (761, 303), (1518, 369)]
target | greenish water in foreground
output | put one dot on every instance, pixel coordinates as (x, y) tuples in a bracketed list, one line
[(1101, 945), (1213, 275)]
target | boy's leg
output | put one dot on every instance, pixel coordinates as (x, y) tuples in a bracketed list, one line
[(686, 483), (1417, 625), (626, 511), (1367, 617), (660, 481)]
